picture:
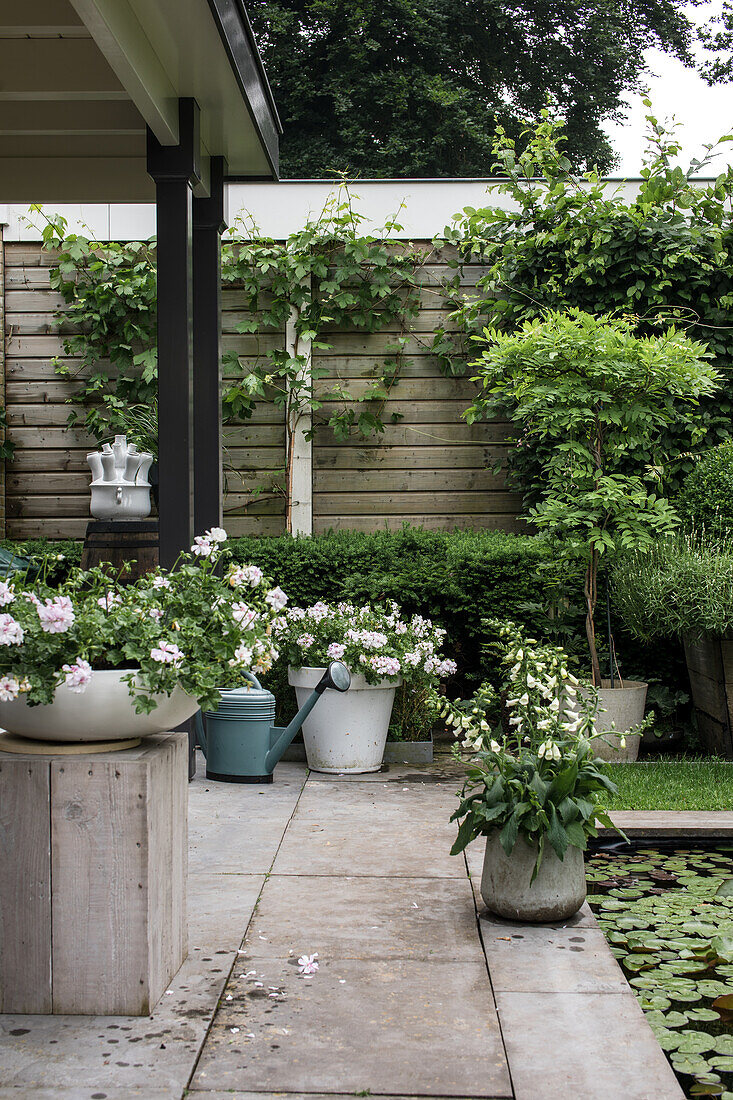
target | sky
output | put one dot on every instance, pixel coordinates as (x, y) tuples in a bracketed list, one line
[(704, 112)]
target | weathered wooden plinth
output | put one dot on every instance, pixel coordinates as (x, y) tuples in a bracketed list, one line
[(93, 861)]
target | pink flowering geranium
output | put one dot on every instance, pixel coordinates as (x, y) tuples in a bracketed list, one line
[(378, 642), (188, 627)]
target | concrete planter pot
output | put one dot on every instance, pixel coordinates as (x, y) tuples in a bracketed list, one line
[(408, 752), (103, 712), (556, 894), (622, 708), (345, 733)]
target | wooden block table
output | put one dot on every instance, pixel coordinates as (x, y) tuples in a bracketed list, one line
[(93, 864)]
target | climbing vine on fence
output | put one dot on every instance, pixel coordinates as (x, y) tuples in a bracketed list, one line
[(664, 257), (328, 275)]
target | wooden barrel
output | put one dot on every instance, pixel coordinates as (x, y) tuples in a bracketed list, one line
[(134, 541)]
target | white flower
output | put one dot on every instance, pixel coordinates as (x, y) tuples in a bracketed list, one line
[(77, 676), (336, 651), (307, 963), (56, 615), (276, 599), (7, 595), (242, 656), (495, 746), (9, 688), (11, 632), (202, 548), (110, 600), (549, 751), (245, 574), (622, 743), (168, 653), (161, 582), (305, 641), (216, 534), (554, 706), (155, 613), (523, 700), (243, 614)]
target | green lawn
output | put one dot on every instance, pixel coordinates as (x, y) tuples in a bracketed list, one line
[(673, 785)]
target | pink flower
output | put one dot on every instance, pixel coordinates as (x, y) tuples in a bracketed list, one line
[(161, 582), (385, 666), (307, 964), (6, 593), (305, 641), (243, 614), (245, 574), (77, 676), (336, 651), (9, 689), (155, 613), (276, 599), (112, 599), (201, 547), (446, 668), (56, 615), (168, 653), (11, 632)]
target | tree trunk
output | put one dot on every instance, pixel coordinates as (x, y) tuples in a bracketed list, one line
[(591, 595)]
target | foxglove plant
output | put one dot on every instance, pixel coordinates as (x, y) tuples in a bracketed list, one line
[(540, 779), (187, 627), (376, 642)]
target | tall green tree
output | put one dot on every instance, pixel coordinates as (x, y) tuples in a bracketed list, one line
[(401, 88)]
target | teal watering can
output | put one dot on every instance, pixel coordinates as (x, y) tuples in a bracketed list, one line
[(238, 739)]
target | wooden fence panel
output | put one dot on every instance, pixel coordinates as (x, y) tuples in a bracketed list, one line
[(428, 466)]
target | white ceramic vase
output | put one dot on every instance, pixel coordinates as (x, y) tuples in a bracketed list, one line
[(104, 711), (557, 892), (345, 733)]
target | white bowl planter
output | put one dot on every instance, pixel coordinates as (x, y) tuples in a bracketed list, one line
[(557, 892), (345, 733), (103, 712)]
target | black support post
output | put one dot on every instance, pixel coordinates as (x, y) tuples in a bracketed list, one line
[(209, 221), (175, 170)]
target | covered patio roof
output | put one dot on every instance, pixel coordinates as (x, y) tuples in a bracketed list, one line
[(81, 79), (133, 101)]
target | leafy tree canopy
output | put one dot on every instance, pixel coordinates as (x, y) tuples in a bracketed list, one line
[(396, 88)]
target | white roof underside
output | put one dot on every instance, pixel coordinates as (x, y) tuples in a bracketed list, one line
[(79, 81)]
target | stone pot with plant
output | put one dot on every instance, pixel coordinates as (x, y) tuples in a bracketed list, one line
[(382, 650), (605, 410), (98, 660), (533, 792), (683, 588)]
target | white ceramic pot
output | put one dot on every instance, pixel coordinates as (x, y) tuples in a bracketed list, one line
[(345, 733), (103, 712), (557, 892)]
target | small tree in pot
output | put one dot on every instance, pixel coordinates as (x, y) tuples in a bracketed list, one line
[(603, 398)]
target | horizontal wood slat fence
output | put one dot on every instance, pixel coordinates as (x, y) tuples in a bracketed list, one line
[(428, 468)]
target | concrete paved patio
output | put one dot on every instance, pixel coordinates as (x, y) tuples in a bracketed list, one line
[(403, 1004)]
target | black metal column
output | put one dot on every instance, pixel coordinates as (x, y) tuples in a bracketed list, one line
[(209, 221), (175, 170)]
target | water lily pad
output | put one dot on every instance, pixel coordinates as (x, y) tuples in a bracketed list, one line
[(702, 1015), (688, 1063), (695, 1042), (655, 1001), (723, 1044), (723, 1062)]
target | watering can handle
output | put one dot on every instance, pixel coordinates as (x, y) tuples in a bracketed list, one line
[(252, 679)]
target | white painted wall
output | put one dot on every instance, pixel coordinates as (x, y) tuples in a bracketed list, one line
[(282, 208)]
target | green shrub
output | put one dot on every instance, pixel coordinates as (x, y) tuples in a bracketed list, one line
[(682, 586), (60, 555), (706, 498)]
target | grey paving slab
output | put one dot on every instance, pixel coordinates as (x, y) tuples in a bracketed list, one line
[(235, 1095), (398, 1027), (526, 959), (443, 771), (362, 829), (638, 824), (366, 918), (219, 908), (597, 1046), (125, 1052), (209, 801), (89, 1092), (235, 847)]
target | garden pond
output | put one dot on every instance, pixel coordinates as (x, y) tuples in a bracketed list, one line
[(668, 917)]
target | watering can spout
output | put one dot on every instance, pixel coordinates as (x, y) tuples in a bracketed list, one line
[(336, 676)]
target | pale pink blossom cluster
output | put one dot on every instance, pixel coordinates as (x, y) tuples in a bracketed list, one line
[(307, 964), (11, 632), (155, 613), (243, 614), (242, 656), (78, 675), (9, 689), (369, 639), (296, 614), (7, 595), (56, 615), (110, 600), (336, 651), (319, 611), (385, 666), (206, 545), (161, 582), (167, 653), (305, 641), (276, 599), (250, 575)]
